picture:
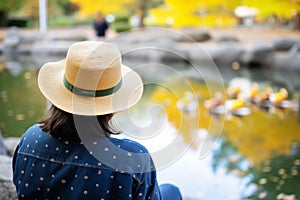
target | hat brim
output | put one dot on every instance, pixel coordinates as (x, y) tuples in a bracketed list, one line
[(50, 82)]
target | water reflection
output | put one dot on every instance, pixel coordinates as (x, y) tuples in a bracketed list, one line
[(21, 102), (247, 143), (278, 177), (256, 157), (274, 178)]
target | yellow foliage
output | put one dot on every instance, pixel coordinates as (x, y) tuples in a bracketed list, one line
[(217, 12), (169, 101), (194, 13), (185, 7), (219, 19), (180, 13), (177, 19), (91, 7), (185, 122), (31, 8), (266, 135), (283, 8), (257, 137)]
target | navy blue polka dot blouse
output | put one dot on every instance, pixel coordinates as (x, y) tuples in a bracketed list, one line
[(45, 167)]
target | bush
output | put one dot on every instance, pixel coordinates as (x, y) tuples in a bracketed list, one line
[(84, 22), (121, 26), (61, 21), (121, 23), (17, 22), (122, 18)]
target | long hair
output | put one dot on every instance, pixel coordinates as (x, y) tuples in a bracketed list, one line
[(62, 124)]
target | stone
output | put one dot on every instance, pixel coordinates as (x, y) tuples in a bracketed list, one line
[(283, 44), (24, 49), (5, 168), (78, 38), (14, 67), (1, 48), (193, 52), (227, 38), (155, 48), (12, 38), (138, 36), (30, 39), (2, 146), (10, 144), (11, 42), (7, 188), (194, 36), (51, 47), (261, 55), (288, 61), (39, 60), (225, 54)]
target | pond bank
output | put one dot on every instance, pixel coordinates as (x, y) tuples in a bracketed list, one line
[(250, 47), (7, 189), (208, 184)]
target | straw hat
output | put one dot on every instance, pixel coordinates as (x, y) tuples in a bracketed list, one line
[(91, 80)]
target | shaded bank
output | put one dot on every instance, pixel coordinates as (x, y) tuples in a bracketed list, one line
[(279, 51)]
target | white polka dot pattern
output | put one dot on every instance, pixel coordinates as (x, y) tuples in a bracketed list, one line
[(62, 168)]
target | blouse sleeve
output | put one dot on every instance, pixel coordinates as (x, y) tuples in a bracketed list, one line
[(148, 188)]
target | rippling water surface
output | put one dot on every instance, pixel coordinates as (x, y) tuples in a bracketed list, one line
[(209, 156)]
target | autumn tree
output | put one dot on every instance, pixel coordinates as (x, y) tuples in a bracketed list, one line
[(283, 9), (7, 6), (68, 7), (89, 8), (192, 12), (137, 7), (54, 8), (141, 8)]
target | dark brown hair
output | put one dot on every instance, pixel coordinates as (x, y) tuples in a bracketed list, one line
[(61, 124)]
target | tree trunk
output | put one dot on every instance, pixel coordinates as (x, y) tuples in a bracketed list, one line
[(143, 12), (297, 21)]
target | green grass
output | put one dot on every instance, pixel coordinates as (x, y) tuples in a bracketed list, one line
[(61, 21)]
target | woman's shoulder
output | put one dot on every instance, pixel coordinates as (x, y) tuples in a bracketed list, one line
[(129, 145), (137, 158), (32, 133), (33, 130)]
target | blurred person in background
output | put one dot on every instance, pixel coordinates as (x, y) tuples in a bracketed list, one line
[(100, 26)]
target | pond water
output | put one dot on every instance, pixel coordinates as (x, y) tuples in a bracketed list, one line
[(209, 156)]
